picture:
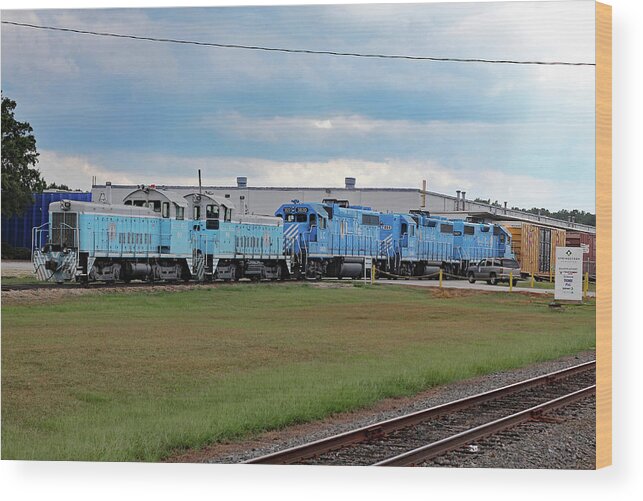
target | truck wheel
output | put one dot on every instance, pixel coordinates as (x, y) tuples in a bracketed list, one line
[(493, 280), (472, 279)]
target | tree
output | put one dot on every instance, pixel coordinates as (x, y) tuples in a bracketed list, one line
[(55, 186), (20, 178)]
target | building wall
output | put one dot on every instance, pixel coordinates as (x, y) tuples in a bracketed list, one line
[(266, 200)]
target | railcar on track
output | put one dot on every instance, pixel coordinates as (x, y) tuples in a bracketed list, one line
[(157, 234), (334, 239)]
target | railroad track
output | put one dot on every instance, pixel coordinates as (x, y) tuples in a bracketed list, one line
[(418, 437)]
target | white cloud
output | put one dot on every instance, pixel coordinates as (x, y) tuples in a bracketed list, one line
[(76, 171)]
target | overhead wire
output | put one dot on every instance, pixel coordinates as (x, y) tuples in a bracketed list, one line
[(296, 51)]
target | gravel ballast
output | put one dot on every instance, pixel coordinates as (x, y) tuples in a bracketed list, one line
[(568, 441)]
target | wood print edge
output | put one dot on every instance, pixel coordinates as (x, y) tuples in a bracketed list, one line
[(603, 235)]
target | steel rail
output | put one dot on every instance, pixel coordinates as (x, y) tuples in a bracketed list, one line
[(382, 428), (454, 442)]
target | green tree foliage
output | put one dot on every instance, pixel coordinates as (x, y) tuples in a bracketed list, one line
[(55, 186), (578, 216), (20, 178)]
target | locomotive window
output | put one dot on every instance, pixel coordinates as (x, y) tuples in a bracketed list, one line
[(156, 205), (469, 230), (484, 229), (228, 214), (431, 224), (322, 223), (197, 212), (502, 238), (140, 203), (370, 219), (404, 229), (296, 218), (313, 220), (446, 228), (166, 209), (212, 212), (412, 230), (180, 212), (128, 202), (496, 230)]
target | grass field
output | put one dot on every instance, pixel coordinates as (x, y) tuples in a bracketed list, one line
[(22, 280), (139, 376)]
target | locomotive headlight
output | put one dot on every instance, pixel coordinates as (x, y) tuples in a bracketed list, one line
[(65, 204)]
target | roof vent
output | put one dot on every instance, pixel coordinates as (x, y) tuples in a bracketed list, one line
[(350, 183), (242, 182)]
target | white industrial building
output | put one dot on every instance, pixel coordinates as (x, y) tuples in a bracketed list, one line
[(266, 200)]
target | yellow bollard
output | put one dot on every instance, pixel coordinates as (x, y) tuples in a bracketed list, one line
[(511, 281), (550, 274), (533, 281), (440, 278), (586, 285), (372, 273)]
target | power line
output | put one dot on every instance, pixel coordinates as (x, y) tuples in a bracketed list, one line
[(297, 51)]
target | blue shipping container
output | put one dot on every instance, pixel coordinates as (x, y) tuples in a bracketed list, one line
[(16, 230)]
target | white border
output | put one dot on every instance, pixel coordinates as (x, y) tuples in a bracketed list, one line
[(67, 480)]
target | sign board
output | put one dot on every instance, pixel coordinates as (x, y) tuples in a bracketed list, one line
[(585, 248), (569, 273)]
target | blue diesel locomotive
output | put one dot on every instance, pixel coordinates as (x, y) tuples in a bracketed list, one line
[(157, 235), (334, 239)]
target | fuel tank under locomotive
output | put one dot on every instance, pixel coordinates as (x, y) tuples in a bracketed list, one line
[(347, 267)]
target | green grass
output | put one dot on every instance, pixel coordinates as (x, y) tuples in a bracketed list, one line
[(141, 376), (11, 280)]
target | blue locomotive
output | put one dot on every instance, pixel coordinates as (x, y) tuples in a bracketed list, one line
[(157, 235), (334, 239), (330, 239)]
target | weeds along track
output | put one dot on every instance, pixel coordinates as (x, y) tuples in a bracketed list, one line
[(416, 438)]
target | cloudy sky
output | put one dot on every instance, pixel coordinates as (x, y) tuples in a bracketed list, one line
[(143, 112)]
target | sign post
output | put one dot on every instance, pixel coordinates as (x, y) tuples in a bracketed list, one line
[(569, 274)]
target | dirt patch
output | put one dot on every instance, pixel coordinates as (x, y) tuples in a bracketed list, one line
[(454, 293), (53, 295)]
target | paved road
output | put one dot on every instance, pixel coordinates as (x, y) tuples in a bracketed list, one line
[(464, 284), (17, 268)]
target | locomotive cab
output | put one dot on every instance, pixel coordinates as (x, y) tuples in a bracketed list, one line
[(208, 211), (305, 225)]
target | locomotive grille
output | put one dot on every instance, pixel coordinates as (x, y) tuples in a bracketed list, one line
[(63, 228)]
